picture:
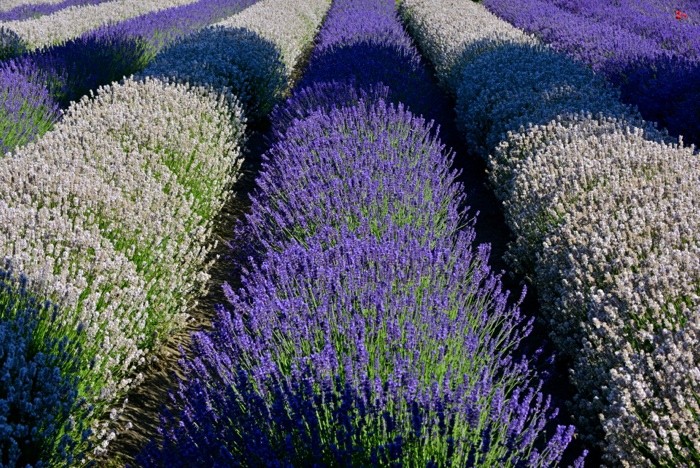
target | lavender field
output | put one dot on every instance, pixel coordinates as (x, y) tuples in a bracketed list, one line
[(349, 233)]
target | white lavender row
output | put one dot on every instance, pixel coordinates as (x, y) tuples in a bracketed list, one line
[(252, 53), (109, 216), (72, 22), (602, 206)]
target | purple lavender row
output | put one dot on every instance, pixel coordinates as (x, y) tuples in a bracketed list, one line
[(71, 70), (371, 51), (658, 72), (369, 330), (651, 19), (24, 12), (407, 334), (162, 28), (26, 108)]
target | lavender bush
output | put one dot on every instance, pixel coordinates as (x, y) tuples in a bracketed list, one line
[(26, 109), (322, 97), (73, 69), (110, 214), (365, 43), (336, 185), (406, 345), (38, 390)]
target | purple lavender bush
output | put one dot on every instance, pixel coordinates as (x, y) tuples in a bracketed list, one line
[(26, 107), (38, 387), (363, 42), (357, 350), (11, 45), (320, 175), (81, 65), (322, 97)]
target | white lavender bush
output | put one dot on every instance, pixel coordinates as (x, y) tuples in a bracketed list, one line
[(73, 21), (603, 209), (110, 215), (252, 53)]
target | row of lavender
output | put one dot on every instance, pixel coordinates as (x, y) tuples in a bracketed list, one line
[(368, 330), (12, 4), (72, 22), (603, 208), (36, 85), (648, 48), (35, 10), (109, 217)]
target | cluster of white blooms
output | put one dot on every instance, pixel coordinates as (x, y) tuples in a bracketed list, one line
[(110, 215), (73, 21), (252, 53), (606, 215), (603, 209)]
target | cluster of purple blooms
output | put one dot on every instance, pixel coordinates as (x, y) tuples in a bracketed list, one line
[(11, 45), (71, 70), (642, 47), (38, 388), (368, 329), (26, 107)]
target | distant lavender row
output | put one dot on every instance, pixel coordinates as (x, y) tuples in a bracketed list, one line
[(364, 51), (654, 19), (603, 207), (368, 329), (267, 48), (655, 60), (162, 28), (72, 22), (23, 12), (73, 69), (7, 5)]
